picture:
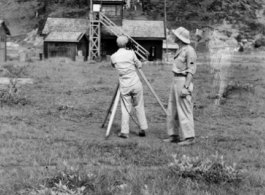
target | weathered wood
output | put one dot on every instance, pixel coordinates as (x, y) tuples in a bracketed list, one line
[(152, 90), (114, 108), (110, 107)]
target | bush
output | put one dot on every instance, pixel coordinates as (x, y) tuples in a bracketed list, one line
[(12, 96), (210, 170)]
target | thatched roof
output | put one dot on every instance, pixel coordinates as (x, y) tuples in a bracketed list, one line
[(64, 37), (66, 25), (2, 24), (139, 29)]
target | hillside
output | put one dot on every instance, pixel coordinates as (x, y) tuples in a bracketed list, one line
[(22, 16), (25, 15)]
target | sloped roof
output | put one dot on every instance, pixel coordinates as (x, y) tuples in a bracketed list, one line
[(141, 29), (144, 28), (64, 36), (2, 24), (66, 25), (134, 28)]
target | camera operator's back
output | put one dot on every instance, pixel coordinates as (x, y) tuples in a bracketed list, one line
[(125, 61)]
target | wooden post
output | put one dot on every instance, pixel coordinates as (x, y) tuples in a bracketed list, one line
[(110, 107), (165, 25), (114, 108), (2, 44), (152, 90)]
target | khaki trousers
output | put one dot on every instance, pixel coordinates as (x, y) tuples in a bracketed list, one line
[(180, 110), (132, 97)]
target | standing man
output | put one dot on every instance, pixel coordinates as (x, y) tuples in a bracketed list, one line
[(180, 122), (126, 62)]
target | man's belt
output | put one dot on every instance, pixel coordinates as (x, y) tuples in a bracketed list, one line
[(179, 75)]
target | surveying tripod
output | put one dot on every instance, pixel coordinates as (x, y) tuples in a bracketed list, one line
[(115, 100)]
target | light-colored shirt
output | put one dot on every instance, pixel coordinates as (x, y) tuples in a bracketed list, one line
[(125, 61), (185, 61)]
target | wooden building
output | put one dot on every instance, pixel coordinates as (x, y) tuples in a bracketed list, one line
[(149, 34), (3, 32), (66, 44), (65, 37)]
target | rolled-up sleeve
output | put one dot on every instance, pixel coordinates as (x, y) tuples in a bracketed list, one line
[(191, 61)]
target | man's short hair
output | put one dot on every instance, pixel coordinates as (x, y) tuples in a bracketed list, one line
[(122, 41)]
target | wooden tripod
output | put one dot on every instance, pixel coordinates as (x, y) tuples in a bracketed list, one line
[(115, 100)]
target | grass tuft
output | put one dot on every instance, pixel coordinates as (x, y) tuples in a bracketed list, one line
[(12, 96), (210, 170)]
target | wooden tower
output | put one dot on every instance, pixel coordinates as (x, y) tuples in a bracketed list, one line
[(108, 13), (113, 10), (94, 31)]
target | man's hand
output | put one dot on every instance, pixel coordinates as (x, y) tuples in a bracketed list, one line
[(144, 62), (185, 92)]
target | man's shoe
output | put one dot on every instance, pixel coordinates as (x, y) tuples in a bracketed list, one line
[(142, 133), (123, 135), (187, 141), (172, 139)]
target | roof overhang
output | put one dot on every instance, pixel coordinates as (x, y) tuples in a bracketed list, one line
[(73, 37), (66, 25), (137, 29)]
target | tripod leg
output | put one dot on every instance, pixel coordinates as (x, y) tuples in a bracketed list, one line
[(115, 105), (110, 107), (152, 90)]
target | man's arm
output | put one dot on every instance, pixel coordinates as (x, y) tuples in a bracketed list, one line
[(191, 69), (188, 80), (137, 62), (191, 63), (111, 61)]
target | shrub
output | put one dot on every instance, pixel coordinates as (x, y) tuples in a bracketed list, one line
[(210, 170), (12, 96)]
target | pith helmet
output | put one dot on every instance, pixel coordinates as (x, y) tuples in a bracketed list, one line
[(122, 41), (183, 34)]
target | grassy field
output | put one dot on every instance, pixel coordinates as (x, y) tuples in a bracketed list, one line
[(52, 141)]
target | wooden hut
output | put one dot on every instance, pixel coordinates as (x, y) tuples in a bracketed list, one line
[(66, 44), (65, 37), (3, 32), (149, 34)]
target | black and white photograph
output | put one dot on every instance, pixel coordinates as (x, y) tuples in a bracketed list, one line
[(132, 97)]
